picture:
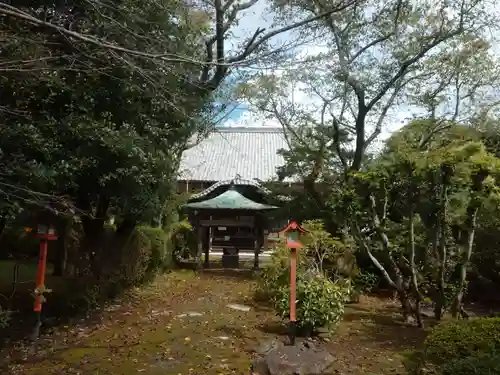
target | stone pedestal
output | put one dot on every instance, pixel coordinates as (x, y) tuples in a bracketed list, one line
[(230, 258), (304, 358)]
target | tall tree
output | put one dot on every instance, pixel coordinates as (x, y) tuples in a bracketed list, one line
[(378, 58), (213, 60)]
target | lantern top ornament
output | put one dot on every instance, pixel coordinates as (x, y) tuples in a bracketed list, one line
[(291, 233), (47, 232)]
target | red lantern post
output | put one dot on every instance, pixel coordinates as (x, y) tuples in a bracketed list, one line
[(291, 233), (45, 234)]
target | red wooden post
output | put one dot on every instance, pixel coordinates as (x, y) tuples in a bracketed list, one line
[(40, 276), (45, 234), (291, 232), (293, 282)]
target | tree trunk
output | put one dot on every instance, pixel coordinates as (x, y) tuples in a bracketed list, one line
[(413, 267), (93, 228), (398, 283), (466, 255), (443, 212), (126, 228), (404, 299), (3, 223), (63, 232)]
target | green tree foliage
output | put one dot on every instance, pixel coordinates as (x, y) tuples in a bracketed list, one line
[(99, 128), (422, 205), (431, 180)]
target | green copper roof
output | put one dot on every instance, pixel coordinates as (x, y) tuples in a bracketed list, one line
[(229, 200)]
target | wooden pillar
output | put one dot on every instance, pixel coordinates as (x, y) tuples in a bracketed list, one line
[(208, 247), (199, 249), (265, 242), (256, 247)]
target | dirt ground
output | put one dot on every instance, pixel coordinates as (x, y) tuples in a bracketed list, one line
[(182, 324)]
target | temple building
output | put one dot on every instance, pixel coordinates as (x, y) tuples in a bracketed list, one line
[(231, 212)]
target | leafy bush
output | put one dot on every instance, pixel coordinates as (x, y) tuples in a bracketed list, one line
[(183, 241), (277, 274), (320, 301), (123, 263), (160, 258), (119, 263), (135, 260), (80, 295), (365, 281), (476, 364), (460, 338), (5, 317), (463, 347), (330, 255)]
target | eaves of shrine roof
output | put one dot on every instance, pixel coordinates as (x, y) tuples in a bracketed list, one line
[(249, 152)]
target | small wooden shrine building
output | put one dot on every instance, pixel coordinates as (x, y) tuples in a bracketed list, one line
[(233, 217)]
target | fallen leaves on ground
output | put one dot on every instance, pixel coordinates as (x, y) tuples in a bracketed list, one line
[(181, 325)]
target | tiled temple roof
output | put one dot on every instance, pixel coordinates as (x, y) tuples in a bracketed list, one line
[(250, 152)]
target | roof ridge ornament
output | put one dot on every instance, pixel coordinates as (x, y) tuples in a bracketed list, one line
[(237, 178)]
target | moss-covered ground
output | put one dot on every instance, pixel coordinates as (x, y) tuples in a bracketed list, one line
[(181, 324)]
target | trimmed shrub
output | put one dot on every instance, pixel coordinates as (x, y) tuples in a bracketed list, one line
[(320, 301), (120, 263), (475, 364), (135, 259), (123, 263), (460, 338), (463, 347)]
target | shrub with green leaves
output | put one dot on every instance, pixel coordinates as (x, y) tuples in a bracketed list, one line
[(5, 317), (160, 257), (476, 364), (125, 263), (463, 347), (277, 273), (183, 239), (460, 338), (320, 301), (365, 281)]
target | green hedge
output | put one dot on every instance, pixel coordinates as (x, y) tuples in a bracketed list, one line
[(123, 263), (464, 347), (160, 257), (183, 241), (475, 364)]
